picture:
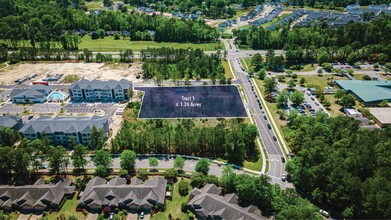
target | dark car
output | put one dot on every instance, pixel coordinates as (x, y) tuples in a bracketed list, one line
[(270, 127), (283, 159), (274, 138), (264, 116)]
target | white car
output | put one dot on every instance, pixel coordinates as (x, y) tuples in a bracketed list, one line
[(324, 213), (283, 178)]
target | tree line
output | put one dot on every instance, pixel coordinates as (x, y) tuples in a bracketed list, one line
[(351, 43), (176, 64), (232, 140), (340, 165), (37, 24)]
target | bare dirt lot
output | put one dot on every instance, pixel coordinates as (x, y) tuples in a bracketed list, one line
[(89, 71)]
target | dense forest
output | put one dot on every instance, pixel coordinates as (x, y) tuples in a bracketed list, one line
[(50, 24), (353, 42), (168, 63), (331, 4), (229, 139), (338, 164), (209, 8)]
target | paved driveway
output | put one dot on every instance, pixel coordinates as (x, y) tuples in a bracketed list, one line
[(131, 216), (91, 216)]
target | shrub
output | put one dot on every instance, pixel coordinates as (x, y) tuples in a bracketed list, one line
[(183, 188), (184, 207)]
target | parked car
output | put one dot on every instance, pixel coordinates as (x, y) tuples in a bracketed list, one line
[(283, 159), (274, 138), (317, 103), (283, 177), (142, 215), (264, 117), (268, 126), (312, 98), (324, 213)]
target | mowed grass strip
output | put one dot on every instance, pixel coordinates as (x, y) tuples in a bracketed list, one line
[(228, 72), (108, 44)]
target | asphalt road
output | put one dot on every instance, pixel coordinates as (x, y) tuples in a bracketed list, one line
[(273, 148)]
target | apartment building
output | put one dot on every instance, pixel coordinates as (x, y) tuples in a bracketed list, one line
[(101, 91), (60, 129)]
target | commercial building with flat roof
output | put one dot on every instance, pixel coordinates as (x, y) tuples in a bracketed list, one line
[(368, 92), (382, 116)]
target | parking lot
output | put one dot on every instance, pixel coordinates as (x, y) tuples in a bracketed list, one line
[(44, 108), (90, 108)]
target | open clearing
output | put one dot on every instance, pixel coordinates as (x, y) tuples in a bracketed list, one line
[(88, 71), (112, 45)]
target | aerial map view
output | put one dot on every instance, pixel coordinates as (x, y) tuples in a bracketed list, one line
[(195, 109)]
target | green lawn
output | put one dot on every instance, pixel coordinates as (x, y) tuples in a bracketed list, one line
[(98, 4), (319, 81), (109, 44), (358, 76), (94, 5), (257, 166), (228, 72), (174, 206), (68, 209), (309, 67)]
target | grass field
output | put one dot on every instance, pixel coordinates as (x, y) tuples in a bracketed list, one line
[(228, 72), (173, 206), (98, 4), (109, 44), (319, 81)]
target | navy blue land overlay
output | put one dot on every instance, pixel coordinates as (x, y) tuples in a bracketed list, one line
[(192, 102)]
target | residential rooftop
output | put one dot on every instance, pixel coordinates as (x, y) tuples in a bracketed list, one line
[(11, 121), (207, 203), (116, 193), (39, 196), (65, 124), (99, 84)]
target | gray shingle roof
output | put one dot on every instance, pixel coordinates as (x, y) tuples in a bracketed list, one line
[(98, 84), (35, 91), (65, 124), (11, 121), (207, 203), (116, 192), (36, 196)]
